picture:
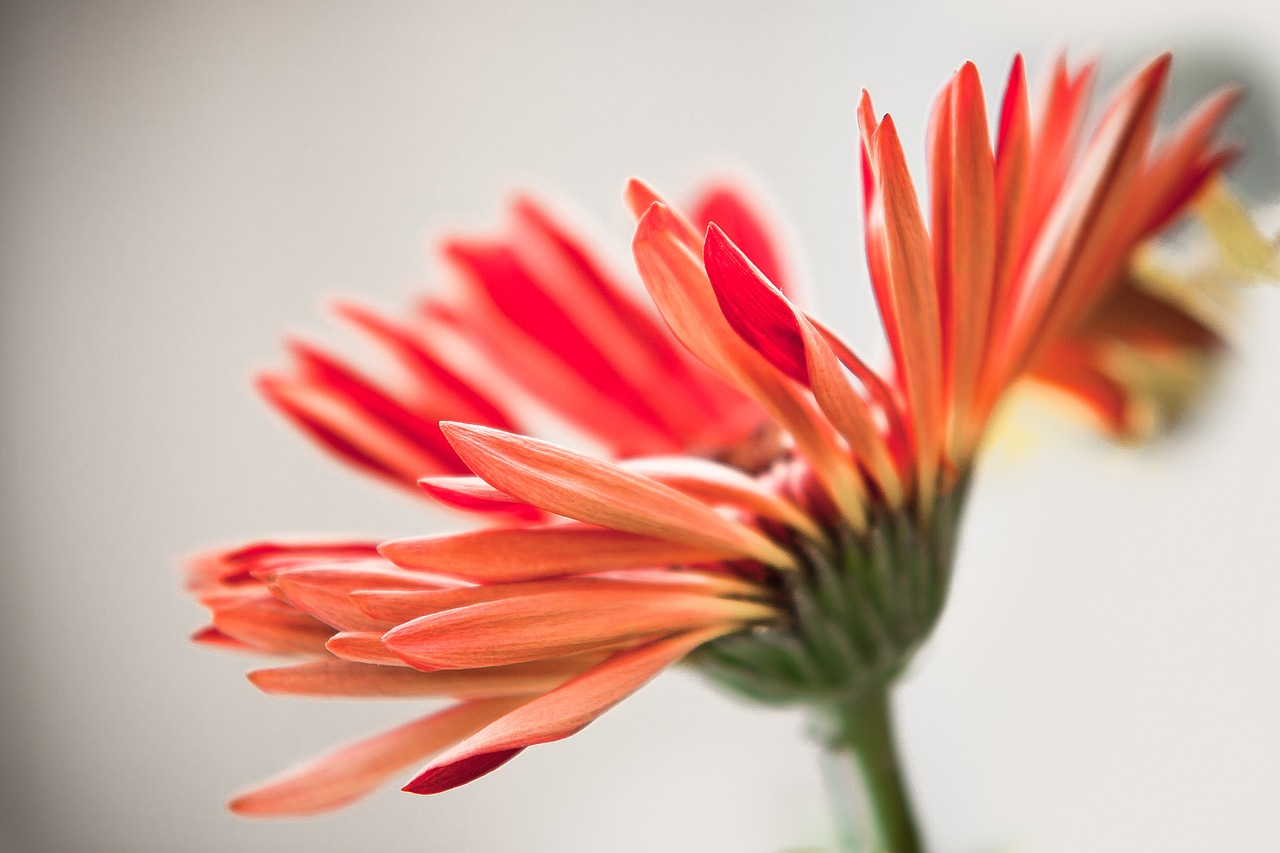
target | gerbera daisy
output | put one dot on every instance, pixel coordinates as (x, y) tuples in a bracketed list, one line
[(807, 570)]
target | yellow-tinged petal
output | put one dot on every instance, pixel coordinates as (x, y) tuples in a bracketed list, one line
[(1241, 244)]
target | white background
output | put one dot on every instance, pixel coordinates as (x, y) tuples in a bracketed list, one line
[(182, 182)]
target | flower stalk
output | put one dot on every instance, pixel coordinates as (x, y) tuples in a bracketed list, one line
[(863, 774)]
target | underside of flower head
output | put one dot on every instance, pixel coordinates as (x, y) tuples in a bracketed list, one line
[(773, 508)]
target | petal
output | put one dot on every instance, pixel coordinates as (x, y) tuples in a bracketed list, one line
[(272, 626), (354, 771), (446, 393), (898, 227), (324, 592), (781, 332), (395, 607), (553, 624), (580, 487), (538, 342), (560, 713), (714, 483), (517, 554), (970, 213), (677, 280), (735, 212), (472, 493), (353, 433), (754, 306), (321, 678), (363, 647), (1066, 273)]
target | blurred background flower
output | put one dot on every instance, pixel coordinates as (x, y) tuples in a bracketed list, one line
[(182, 181)]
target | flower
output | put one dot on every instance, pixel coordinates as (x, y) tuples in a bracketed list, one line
[(809, 573)]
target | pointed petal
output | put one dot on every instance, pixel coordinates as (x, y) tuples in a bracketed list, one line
[(971, 258), (677, 280), (474, 494), (363, 647), (324, 592), (352, 432), (898, 225), (714, 483), (519, 554), (552, 624), (741, 217), (754, 306), (558, 714), (270, 625), (580, 487), (396, 607), (324, 678), (782, 334), (354, 771), (1065, 272), (447, 393)]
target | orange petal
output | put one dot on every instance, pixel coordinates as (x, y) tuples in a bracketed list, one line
[(971, 231), (674, 274), (576, 486), (896, 221), (472, 493), (272, 626), (344, 678), (354, 771), (554, 624), (714, 483), (363, 647), (849, 412), (558, 714), (324, 592), (395, 607), (518, 554)]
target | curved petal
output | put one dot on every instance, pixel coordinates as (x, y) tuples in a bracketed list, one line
[(560, 713), (576, 486), (345, 775)]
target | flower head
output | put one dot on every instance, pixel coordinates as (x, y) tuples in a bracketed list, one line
[(806, 569)]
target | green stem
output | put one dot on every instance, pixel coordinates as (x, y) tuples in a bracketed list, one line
[(864, 780)]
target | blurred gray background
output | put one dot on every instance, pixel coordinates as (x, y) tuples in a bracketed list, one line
[(182, 182)]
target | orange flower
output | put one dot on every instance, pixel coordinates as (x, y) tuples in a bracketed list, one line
[(810, 578)]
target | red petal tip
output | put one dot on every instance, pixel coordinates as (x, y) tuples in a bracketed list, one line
[(461, 772)]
